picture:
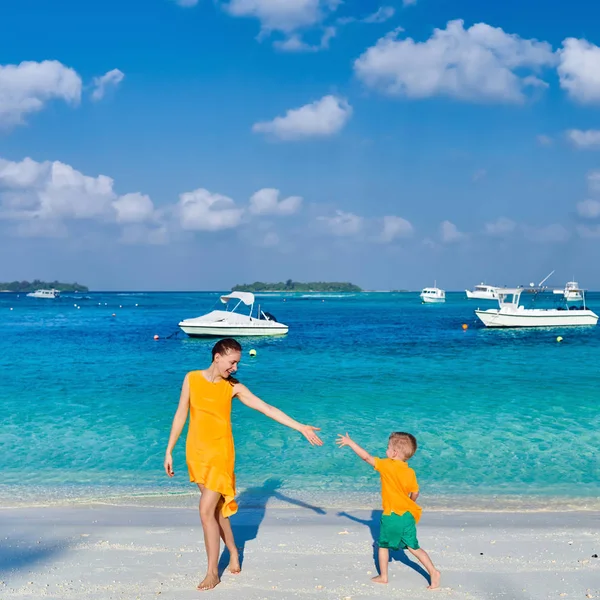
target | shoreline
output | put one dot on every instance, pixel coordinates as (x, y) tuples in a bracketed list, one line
[(100, 552), (288, 499)]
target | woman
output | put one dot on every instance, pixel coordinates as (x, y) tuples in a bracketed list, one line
[(210, 453)]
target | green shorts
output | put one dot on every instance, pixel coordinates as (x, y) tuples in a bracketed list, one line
[(398, 531)]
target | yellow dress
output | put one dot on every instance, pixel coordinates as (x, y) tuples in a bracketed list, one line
[(209, 450)]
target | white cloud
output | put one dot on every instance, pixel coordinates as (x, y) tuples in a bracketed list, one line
[(282, 15), (294, 43), (134, 208), (267, 202), (481, 63), (395, 227), (479, 174), (450, 233), (589, 209), (27, 87), (202, 210), (42, 197), (500, 227), (139, 234), (321, 118), (270, 240), (343, 223), (53, 190), (593, 180), (547, 234), (589, 232), (579, 70), (584, 139), (110, 79), (383, 14), (544, 140)]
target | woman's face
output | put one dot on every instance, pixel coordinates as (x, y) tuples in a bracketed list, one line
[(227, 364)]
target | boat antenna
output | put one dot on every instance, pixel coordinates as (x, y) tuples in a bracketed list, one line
[(541, 283)]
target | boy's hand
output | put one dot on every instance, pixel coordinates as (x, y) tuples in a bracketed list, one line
[(343, 440)]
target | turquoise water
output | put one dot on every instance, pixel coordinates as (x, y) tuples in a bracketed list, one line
[(87, 398)]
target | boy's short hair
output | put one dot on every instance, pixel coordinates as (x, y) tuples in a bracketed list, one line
[(404, 443)]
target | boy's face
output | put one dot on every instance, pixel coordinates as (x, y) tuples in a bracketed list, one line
[(391, 452)]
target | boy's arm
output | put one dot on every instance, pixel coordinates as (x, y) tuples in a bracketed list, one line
[(415, 487), (344, 440)]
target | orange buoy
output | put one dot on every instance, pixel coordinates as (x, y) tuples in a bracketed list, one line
[(465, 326), (156, 337)]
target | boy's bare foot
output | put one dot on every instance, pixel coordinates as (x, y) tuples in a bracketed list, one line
[(435, 581), (234, 564), (379, 579), (209, 582)]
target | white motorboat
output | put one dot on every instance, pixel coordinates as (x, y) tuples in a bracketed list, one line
[(228, 323), (511, 314), (433, 295), (44, 294), (482, 292), (572, 292)]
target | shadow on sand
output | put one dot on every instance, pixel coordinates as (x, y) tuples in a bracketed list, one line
[(395, 555), (253, 502), (20, 551)]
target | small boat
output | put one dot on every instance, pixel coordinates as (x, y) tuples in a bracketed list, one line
[(483, 292), (433, 295), (229, 323), (511, 314), (44, 294), (571, 293)]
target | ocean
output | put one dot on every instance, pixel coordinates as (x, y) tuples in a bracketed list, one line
[(502, 417)]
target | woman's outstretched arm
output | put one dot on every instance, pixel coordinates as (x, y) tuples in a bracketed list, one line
[(249, 399), (178, 422)]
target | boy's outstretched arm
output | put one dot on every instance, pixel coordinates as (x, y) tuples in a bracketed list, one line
[(344, 440)]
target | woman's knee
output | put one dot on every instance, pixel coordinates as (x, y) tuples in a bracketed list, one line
[(207, 513)]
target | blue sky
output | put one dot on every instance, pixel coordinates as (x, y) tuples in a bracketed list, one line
[(197, 145)]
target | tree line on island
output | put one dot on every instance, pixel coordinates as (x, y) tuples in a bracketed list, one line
[(25, 287), (297, 286)]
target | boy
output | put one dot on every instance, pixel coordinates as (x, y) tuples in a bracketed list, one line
[(399, 491)]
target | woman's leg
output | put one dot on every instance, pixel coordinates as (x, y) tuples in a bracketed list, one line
[(212, 542), (227, 537)]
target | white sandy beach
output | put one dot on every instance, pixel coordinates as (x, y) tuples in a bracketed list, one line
[(107, 552)]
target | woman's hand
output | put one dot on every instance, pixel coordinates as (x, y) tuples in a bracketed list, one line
[(169, 465), (308, 431), (343, 440)]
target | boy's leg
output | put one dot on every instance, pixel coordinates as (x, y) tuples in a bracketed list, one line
[(384, 559), (208, 503), (424, 559), (227, 537)]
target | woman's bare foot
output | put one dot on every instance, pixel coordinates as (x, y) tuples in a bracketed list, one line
[(379, 579), (435, 581), (209, 582), (234, 564)]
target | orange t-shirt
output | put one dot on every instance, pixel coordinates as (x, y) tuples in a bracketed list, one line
[(397, 481)]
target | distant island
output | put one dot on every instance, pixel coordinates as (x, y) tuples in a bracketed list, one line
[(297, 286), (25, 287)]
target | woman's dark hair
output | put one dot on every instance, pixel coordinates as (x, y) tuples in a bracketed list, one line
[(225, 346)]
